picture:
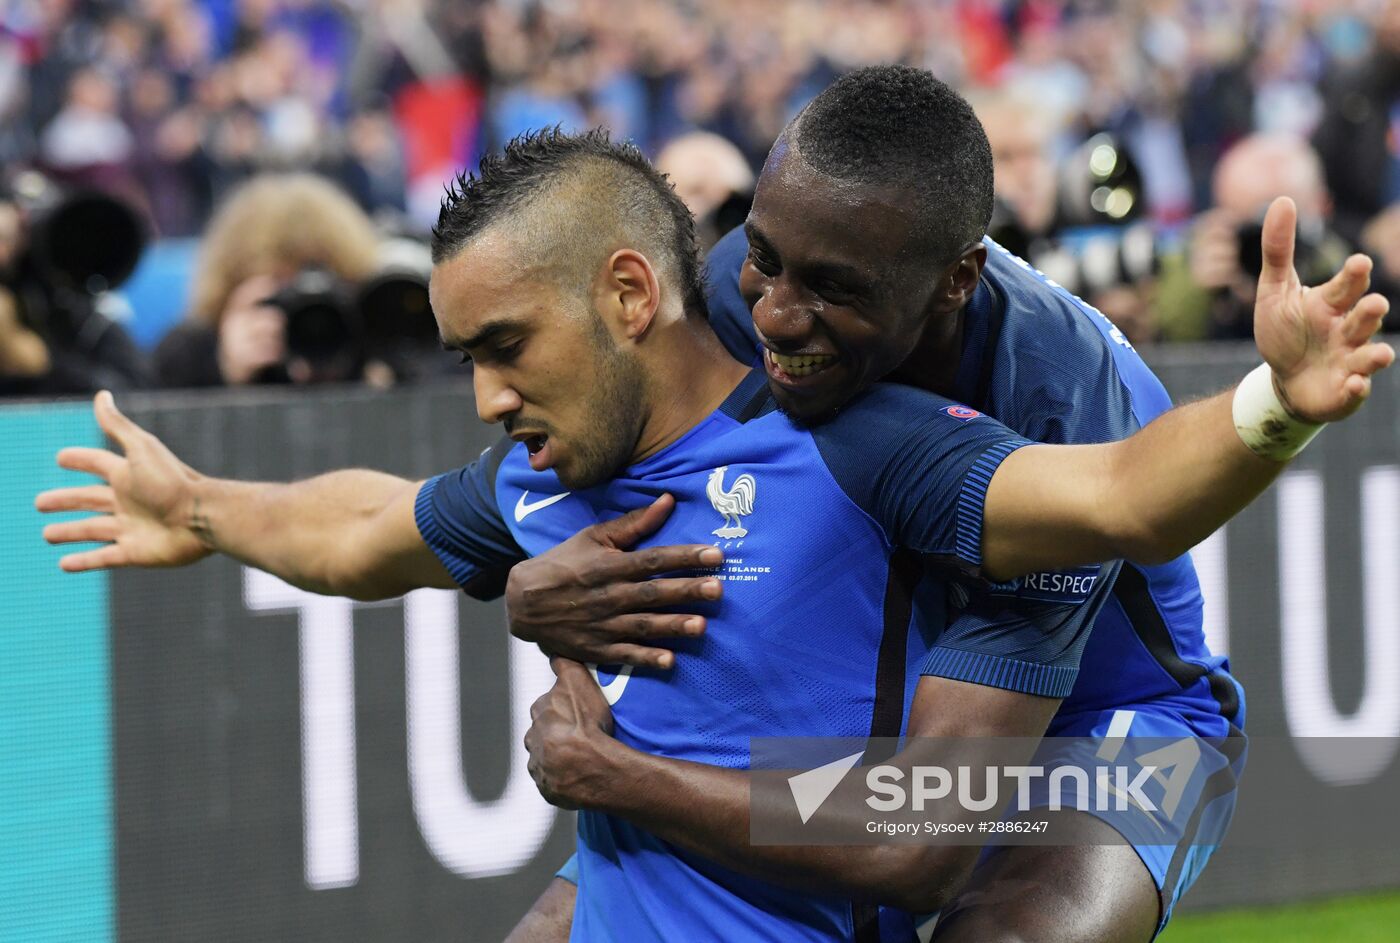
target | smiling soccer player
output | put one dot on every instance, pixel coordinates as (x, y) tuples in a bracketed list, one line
[(863, 259)]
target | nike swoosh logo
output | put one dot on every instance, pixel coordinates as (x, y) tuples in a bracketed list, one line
[(524, 509)]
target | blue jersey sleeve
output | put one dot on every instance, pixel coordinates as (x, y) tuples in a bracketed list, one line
[(1027, 635), (460, 519), (730, 316), (919, 465)]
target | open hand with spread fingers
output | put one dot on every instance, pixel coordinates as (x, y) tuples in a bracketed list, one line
[(145, 509), (1318, 341)]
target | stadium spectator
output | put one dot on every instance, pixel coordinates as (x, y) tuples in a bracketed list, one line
[(713, 179), (1212, 294), (1020, 131), (1356, 138), (169, 159), (276, 226), (1030, 222), (373, 168), (87, 141)]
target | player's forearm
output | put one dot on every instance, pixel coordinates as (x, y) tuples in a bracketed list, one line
[(705, 809), (1148, 498), (311, 533), (1181, 478)]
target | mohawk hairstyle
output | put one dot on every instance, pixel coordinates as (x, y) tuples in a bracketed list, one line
[(591, 187), (899, 126)]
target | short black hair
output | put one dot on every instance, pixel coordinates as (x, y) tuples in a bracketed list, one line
[(619, 186), (900, 127)]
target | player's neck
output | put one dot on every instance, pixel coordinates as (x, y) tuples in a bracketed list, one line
[(933, 365), (690, 380)]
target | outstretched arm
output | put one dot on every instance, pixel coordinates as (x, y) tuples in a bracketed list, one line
[(348, 533), (1156, 494)]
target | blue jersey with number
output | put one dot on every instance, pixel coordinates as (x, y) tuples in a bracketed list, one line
[(1056, 370), (841, 544)]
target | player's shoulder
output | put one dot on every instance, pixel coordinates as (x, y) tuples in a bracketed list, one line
[(890, 424), (726, 256), (903, 455), (1040, 314), (1061, 370), (480, 484), (888, 407)]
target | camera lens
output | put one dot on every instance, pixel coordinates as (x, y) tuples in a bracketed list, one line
[(394, 307), (321, 323)]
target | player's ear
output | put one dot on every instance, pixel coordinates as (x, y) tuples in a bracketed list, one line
[(630, 292), (959, 280)]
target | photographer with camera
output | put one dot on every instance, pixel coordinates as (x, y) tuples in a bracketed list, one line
[(273, 234), (1077, 222), (1210, 292), (294, 285), (61, 251)]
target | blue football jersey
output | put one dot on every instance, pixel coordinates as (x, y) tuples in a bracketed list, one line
[(1054, 369), (841, 545)]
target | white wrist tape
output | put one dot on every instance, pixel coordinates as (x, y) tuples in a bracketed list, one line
[(1264, 423)]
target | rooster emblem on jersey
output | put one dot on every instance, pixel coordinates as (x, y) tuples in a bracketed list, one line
[(733, 503)]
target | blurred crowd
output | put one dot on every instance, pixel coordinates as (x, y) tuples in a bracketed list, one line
[(1136, 145)]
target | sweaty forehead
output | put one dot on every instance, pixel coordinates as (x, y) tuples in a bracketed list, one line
[(802, 211)]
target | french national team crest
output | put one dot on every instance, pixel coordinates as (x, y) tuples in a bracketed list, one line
[(733, 502)]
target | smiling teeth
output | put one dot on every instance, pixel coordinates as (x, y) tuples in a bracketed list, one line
[(803, 366)]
